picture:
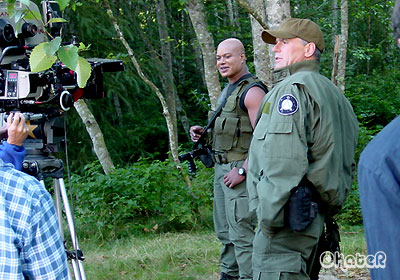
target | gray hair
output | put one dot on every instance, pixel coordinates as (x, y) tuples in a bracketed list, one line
[(317, 52)]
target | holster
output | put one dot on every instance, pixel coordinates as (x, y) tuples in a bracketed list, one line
[(300, 209)]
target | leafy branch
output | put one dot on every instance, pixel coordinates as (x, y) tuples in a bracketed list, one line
[(45, 54)]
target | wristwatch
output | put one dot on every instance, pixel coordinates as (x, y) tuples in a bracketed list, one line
[(242, 171)]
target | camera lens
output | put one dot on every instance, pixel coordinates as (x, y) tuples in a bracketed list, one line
[(6, 33), (29, 30)]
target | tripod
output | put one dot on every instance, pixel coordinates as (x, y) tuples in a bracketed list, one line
[(42, 167)]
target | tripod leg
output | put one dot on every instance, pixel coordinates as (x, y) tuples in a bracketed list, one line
[(58, 207), (57, 203), (76, 263)]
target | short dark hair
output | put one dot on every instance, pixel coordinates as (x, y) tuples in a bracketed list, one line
[(396, 20)]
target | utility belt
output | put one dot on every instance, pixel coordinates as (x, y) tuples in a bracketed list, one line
[(226, 157)]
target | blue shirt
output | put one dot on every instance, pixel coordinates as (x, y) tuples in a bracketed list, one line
[(31, 246), (379, 185), (12, 154)]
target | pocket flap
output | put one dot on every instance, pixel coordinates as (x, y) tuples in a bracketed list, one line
[(280, 127), (287, 262)]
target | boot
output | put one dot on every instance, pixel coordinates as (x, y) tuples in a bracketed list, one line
[(225, 276)]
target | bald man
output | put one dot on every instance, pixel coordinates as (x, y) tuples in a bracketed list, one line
[(231, 135)]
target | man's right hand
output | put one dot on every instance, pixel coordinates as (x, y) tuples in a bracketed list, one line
[(17, 129), (195, 132)]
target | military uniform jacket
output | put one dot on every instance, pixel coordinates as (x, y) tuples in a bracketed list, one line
[(306, 129)]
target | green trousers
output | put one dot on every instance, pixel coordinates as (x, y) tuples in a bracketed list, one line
[(233, 224), (286, 255)]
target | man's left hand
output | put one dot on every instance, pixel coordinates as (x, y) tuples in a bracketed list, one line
[(232, 178)]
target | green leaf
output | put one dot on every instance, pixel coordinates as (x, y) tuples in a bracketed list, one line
[(83, 71), (69, 56), (25, 2), (40, 59), (52, 47), (63, 4), (56, 20), (33, 15)]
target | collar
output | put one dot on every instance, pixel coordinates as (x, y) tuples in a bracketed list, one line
[(244, 77), (307, 65)]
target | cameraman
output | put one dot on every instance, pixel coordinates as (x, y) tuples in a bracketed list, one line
[(16, 130)]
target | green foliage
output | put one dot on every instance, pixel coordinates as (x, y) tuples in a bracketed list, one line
[(148, 195), (375, 97), (351, 211)]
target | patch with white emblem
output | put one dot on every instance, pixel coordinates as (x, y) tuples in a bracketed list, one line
[(287, 105)]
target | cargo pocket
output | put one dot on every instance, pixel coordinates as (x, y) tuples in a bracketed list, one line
[(275, 266), (280, 140), (225, 128)]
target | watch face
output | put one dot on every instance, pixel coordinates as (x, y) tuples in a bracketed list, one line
[(242, 171)]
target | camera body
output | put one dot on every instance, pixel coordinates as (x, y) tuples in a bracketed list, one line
[(25, 91), (51, 92)]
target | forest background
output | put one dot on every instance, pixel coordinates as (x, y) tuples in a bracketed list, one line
[(168, 48)]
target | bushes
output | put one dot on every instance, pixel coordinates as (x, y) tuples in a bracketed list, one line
[(145, 196)]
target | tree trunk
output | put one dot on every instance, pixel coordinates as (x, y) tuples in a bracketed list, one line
[(335, 61), (277, 11), (343, 44), (231, 16), (236, 16), (250, 9), (167, 78), (95, 134), (172, 140), (118, 110), (197, 16), (261, 57)]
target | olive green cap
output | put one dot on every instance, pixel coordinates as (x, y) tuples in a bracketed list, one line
[(296, 28)]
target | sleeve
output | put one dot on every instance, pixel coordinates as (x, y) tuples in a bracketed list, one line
[(12, 154), (284, 151), (45, 256)]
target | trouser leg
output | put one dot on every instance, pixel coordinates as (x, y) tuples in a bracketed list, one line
[(241, 223), (286, 254), (221, 227)]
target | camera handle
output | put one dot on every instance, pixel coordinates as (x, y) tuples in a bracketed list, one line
[(55, 169)]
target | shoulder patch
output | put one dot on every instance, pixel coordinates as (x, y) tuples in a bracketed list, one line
[(287, 105)]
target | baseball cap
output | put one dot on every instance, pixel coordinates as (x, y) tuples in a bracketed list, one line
[(296, 28)]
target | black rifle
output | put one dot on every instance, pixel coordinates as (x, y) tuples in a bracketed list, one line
[(201, 149)]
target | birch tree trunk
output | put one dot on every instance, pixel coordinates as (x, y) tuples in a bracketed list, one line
[(167, 77), (261, 57), (172, 140), (343, 44), (197, 16), (95, 134)]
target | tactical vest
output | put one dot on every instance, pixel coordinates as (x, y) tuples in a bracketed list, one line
[(232, 129)]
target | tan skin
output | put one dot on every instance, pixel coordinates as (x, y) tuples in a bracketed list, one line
[(16, 129), (231, 64), (289, 51)]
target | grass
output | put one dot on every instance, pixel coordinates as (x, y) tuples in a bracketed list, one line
[(154, 256), (180, 256)]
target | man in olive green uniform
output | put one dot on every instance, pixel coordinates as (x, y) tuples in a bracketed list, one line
[(302, 153), (233, 222)]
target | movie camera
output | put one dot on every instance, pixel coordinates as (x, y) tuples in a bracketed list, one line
[(43, 97)]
